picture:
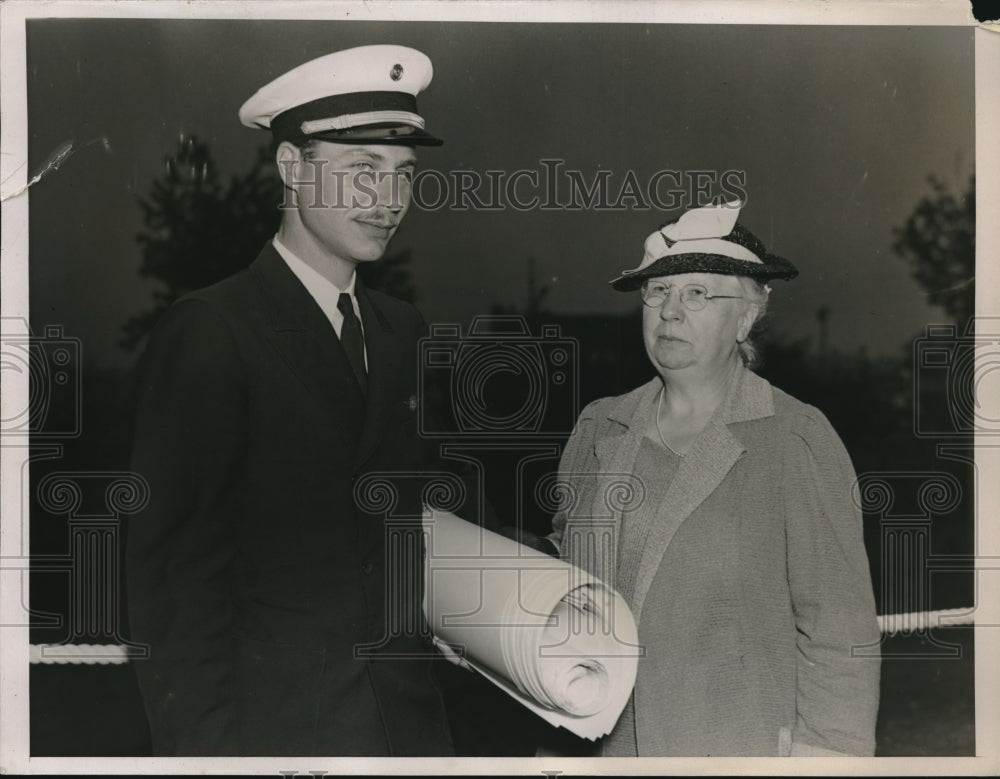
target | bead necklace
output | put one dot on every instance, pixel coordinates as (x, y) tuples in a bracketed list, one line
[(659, 406)]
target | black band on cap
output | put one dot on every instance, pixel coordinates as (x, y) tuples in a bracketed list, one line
[(287, 126), (381, 134)]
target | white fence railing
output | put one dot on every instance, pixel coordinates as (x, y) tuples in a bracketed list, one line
[(117, 654)]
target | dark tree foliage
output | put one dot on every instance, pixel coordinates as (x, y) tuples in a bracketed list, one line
[(938, 242), (200, 230)]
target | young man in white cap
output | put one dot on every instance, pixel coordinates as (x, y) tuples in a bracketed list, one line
[(258, 582)]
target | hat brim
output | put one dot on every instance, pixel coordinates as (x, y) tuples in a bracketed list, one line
[(773, 267), (386, 135)]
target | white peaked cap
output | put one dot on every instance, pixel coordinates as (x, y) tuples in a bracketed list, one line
[(358, 95)]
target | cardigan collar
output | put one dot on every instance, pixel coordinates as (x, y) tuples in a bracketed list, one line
[(748, 397)]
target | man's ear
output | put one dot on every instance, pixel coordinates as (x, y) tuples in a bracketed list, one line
[(288, 156)]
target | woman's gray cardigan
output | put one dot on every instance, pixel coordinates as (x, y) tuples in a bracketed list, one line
[(753, 595)]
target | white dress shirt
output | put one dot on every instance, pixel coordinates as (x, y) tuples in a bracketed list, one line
[(323, 291)]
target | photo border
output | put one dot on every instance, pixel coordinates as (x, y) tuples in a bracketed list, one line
[(14, 648)]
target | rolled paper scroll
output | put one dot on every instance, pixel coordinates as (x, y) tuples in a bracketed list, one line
[(551, 635)]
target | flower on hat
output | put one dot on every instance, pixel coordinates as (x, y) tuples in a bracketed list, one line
[(709, 222)]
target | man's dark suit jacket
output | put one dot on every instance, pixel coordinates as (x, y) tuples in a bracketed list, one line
[(252, 574)]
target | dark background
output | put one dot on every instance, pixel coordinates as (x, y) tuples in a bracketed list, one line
[(857, 148)]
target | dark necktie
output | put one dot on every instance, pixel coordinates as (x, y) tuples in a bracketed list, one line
[(353, 341)]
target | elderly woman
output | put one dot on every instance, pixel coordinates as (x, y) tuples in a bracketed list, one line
[(742, 555)]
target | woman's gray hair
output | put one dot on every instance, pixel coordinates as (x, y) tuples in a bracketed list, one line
[(756, 294)]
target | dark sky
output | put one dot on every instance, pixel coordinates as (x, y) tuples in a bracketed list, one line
[(836, 129)]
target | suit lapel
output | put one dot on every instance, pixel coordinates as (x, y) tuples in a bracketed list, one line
[(303, 334), (383, 368)]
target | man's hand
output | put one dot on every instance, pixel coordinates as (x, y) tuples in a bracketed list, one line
[(450, 655), (530, 540)]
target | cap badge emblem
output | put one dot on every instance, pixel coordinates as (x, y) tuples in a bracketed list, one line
[(397, 72)]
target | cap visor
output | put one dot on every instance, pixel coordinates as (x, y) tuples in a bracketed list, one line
[(399, 135)]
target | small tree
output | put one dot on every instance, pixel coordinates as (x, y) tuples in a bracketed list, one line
[(938, 240), (199, 231)]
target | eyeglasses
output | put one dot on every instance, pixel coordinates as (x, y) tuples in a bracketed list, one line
[(693, 297)]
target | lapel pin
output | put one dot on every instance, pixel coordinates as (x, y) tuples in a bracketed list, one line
[(412, 403)]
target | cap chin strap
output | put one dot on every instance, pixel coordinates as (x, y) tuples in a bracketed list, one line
[(348, 121)]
